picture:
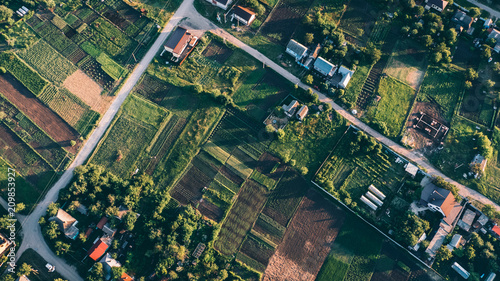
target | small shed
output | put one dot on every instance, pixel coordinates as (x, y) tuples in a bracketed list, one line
[(411, 169), (491, 277), (377, 192), (368, 203)]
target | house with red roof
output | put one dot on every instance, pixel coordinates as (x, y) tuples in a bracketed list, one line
[(178, 42), (125, 277), (98, 249), (102, 222), (496, 230)]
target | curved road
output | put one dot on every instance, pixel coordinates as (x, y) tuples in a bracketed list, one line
[(32, 235)]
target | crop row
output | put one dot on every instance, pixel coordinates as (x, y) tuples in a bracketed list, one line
[(29, 78), (241, 217), (48, 62)]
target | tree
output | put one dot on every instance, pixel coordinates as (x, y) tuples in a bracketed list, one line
[(309, 79), (474, 12), (61, 248), (468, 85), (309, 38), (405, 29), (486, 53), (52, 230), (372, 54), (427, 40), (414, 32), (25, 269), (20, 207), (5, 13), (52, 209), (73, 5), (409, 228), (270, 129), (484, 145), (97, 273), (281, 134), (490, 84), (471, 74), (129, 220), (419, 10), (304, 171), (443, 254), (3, 70), (470, 253), (49, 4), (451, 36), (7, 277), (476, 240)]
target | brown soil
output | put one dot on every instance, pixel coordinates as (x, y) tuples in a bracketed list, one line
[(88, 91), (45, 118), (416, 138), (307, 240)]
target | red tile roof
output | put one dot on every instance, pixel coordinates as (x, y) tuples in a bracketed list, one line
[(125, 277), (496, 229), (88, 232), (448, 204), (102, 222), (97, 250)]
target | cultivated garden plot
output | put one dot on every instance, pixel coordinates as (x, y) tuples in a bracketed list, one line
[(307, 240), (40, 114), (358, 20)]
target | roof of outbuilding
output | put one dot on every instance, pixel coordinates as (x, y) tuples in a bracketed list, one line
[(243, 13), (439, 3)]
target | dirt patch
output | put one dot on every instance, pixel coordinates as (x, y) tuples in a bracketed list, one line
[(32, 107), (88, 91), (307, 240), (217, 51), (416, 138)]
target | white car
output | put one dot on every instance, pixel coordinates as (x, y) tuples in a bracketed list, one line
[(50, 267)]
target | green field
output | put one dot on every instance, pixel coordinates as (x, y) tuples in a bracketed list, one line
[(407, 63), (127, 137), (144, 110), (443, 87), (48, 62), (306, 142), (394, 106), (354, 253), (25, 192), (356, 83), (27, 76), (240, 218)]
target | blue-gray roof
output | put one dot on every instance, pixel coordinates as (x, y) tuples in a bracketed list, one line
[(323, 65)]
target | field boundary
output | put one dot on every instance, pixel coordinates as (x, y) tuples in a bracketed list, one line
[(374, 227)]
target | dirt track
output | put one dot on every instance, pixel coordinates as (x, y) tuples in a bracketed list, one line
[(45, 118)]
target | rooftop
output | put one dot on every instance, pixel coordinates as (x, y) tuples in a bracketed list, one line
[(178, 40), (439, 197), (243, 13), (296, 49), (324, 66), (97, 250)]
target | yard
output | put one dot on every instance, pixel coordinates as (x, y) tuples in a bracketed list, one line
[(407, 63), (38, 264), (443, 87), (394, 105), (306, 142)]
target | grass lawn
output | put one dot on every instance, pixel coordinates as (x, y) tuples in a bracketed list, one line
[(245, 95), (444, 87), (144, 110), (407, 63), (332, 269), (123, 145), (357, 81), (394, 106), (308, 142)]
